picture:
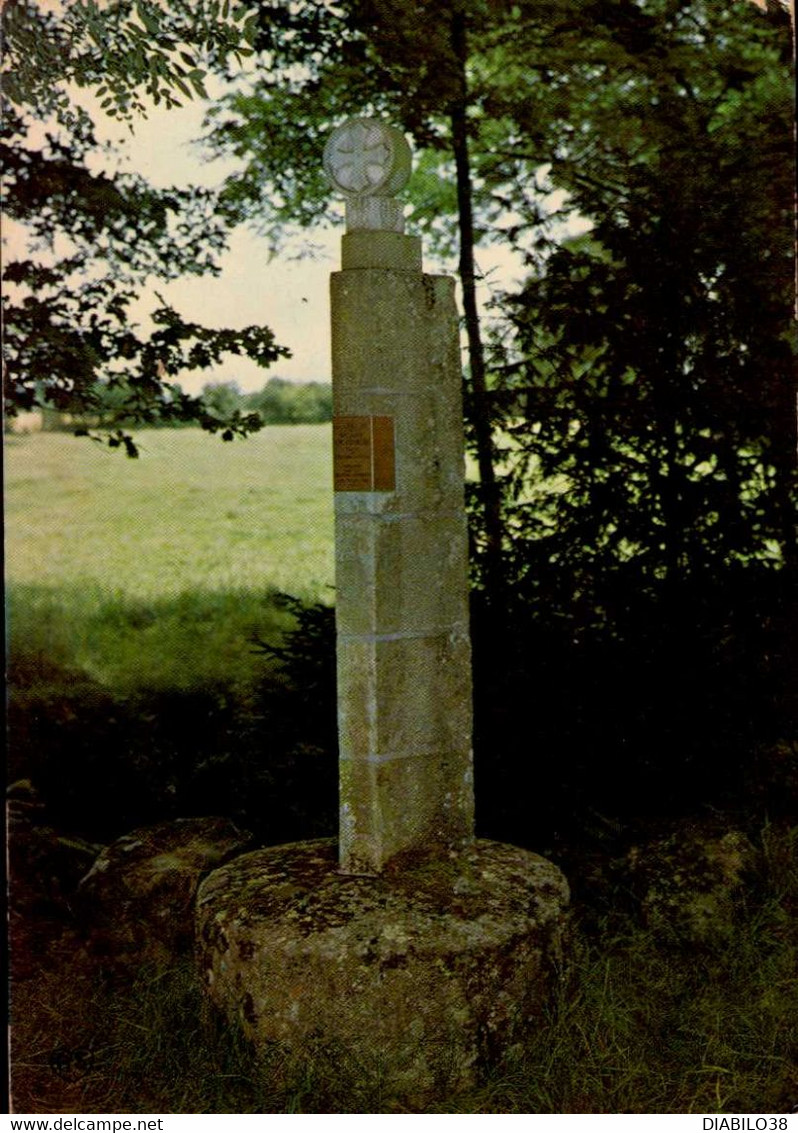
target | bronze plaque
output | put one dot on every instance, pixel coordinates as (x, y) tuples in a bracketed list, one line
[(363, 454), (383, 461)]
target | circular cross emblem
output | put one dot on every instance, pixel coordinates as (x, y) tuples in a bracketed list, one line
[(364, 157)]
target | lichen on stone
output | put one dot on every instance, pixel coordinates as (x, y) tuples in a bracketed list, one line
[(454, 954)]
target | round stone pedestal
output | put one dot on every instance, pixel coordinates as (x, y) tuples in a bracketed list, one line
[(421, 975)]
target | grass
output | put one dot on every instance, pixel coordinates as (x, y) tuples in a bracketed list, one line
[(135, 593), (190, 640), (635, 1027), (127, 580), (158, 570), (191, 513)]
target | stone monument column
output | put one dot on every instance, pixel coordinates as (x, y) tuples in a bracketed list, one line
[(404, 664), (414, 953)]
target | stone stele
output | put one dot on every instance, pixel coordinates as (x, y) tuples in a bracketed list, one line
[(417, 978), (401, 540), (409, 949)]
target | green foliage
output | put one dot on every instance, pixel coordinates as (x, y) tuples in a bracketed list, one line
[(650, 362), (93, 238), (638, 707), (643, 391), (203, 725), (280, 402), (139, 49), (326, 63)]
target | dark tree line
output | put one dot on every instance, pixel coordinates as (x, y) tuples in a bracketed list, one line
[(632, 409), (278, 402)]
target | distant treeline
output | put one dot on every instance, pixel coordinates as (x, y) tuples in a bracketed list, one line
[(279, 402)]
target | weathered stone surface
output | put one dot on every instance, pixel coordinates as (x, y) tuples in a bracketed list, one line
[(425, 799), (395, 353), (136, 903), (371, 249), (417, 684), (367, 157), (689, 884), (403, 650), (402, 552), (421, 974)]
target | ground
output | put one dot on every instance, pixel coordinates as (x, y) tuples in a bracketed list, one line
[(638, 1025)]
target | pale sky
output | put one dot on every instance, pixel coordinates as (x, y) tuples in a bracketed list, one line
[(289, 297), (288, 294)]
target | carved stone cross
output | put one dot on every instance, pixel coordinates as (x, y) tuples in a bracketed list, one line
[(360, 158), (368, 162)]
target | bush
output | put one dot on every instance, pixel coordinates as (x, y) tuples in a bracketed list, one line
[(641, 705), (106, 759)]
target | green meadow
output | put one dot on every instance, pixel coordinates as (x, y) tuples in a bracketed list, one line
[(158, 571)]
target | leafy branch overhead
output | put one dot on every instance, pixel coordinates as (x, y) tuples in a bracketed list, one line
[(630, 401), (126, 53), (633, 412), (92, 239)]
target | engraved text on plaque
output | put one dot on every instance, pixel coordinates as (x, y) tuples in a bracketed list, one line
[(363, 454)]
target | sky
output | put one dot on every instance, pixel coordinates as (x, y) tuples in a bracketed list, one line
[(289, 295)]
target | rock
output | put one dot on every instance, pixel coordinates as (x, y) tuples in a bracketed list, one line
[(136, 902), (45, 866), (418, 976), (690, 884), (44, 869)]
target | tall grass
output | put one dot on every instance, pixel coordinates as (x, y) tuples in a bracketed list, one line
[(636, 1026), (159, 570)]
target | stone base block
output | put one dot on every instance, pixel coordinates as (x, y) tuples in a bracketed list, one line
[(135, 905), (423, 974)]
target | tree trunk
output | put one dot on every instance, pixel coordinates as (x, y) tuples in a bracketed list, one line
[(480, 404)]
